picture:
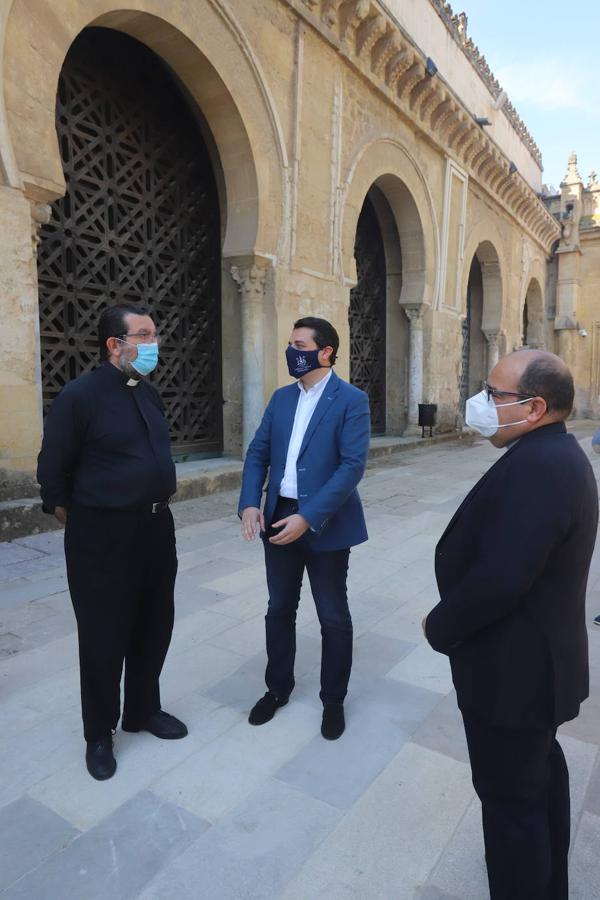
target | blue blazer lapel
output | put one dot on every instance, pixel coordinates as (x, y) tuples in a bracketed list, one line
[(329, 394)]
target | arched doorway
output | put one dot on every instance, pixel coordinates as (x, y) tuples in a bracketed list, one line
[(472, 371), (482, 335), (139, 222), (533, 317), (384, 168), (367, 316)]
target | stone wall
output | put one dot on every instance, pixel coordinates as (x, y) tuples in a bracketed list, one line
[(310, 104)]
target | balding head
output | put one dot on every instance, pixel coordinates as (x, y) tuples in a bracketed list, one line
[(539, 376), (538, 373)]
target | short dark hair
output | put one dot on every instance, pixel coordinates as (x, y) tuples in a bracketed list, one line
[(324, 333), (546, 378), (112, 323)]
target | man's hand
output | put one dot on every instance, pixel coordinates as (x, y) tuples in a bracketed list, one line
[(252, 521), (294, 527), (61, 514)]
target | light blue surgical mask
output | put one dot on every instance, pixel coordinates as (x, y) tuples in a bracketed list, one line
[(147, 357)]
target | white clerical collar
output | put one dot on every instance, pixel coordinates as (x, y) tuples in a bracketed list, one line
[(316, 388), (132, 382)]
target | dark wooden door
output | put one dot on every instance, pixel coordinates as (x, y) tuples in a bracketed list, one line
[(368, 316)]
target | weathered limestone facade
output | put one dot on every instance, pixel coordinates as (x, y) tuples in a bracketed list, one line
[(312, 106), (573, 296)]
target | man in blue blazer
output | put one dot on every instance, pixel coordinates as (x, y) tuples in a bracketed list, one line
[(512, 569), (313, 441)]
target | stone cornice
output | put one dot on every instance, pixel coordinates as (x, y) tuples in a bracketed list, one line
[(457, 26), (375, 45)]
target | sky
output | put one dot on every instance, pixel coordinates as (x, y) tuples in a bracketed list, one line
[(545, 54)]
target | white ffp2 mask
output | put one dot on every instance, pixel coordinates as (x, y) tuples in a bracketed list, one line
[(482, 414)]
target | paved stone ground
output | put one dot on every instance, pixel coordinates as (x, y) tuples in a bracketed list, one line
[(387, 812)]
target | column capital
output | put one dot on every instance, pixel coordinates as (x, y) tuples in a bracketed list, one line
[(250, 281), (414, 315), (41, 214), (492, 337)]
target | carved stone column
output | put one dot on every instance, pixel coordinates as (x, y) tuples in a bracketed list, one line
[(415, 362), (493, 349), (251, 285)]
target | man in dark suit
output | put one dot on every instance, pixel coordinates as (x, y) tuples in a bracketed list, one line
[(512, 570), (313, 440), (105, 471)]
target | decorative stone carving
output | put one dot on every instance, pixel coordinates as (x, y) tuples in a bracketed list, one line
[(329, 11), (398, 64), (368, 32), (411, 77), (389, 58), (571, 202), (41, 214), (441, 111), (457, 26), (572, 176), (493, 349), (383, 51), (352, 13)]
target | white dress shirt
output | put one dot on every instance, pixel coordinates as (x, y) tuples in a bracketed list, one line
[(307, 403)]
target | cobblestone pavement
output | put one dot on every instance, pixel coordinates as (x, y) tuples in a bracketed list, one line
[(231, 812)]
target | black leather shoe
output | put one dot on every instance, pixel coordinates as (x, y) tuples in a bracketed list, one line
[(99, 758), (333, 724), (265, 709), (161, 725)]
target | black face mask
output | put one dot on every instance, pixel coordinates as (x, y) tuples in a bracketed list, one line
[(300, 362)]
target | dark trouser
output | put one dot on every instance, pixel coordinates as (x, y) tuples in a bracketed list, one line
[(327, 573), (522, 780), (121, 567)]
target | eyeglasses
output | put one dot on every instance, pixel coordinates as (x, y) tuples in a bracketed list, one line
[(494, 392), (146, 337)]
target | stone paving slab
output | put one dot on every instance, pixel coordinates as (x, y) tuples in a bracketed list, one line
[(585, 883), (239, 812), (387, 844), (72, 794), (252, 854), (116, 858), (29, 834)]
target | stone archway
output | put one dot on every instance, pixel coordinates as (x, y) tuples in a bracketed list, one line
[(367, 315), (139, 223), (482, 322), (208, 52), (385, 169), (533, 319), (378, 326), (473, 339), (251, 148)]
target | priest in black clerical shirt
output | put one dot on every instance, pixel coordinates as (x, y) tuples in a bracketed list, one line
[(106, 472)]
